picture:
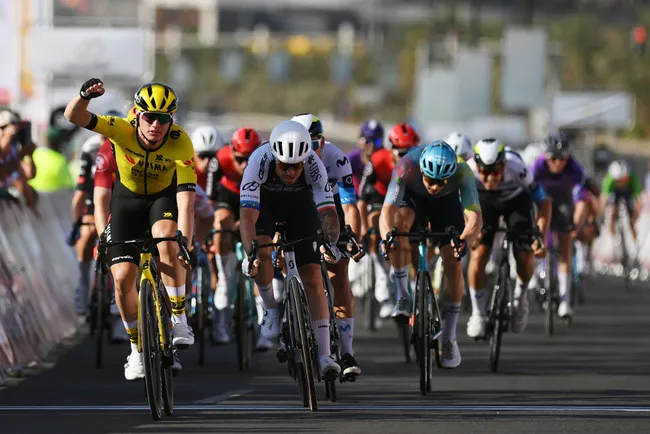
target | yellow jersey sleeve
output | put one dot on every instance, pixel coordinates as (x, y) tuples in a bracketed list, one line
[(116, 129)]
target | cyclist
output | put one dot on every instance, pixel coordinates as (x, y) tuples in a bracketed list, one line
[(339, 174), (460, 144), (621, 184), (506, 188), (275, 188), (224, 177), (565, 181), (154, 190), (374, 185), (429, 183)]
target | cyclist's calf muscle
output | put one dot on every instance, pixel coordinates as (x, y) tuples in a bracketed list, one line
[(223, 220), (478, 261), (312, 280), (126, 297), (86, 241), (453, 272)]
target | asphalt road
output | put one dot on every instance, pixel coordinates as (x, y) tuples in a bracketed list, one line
[(591, 377)]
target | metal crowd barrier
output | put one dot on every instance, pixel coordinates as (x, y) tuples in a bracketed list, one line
[(38, 273)]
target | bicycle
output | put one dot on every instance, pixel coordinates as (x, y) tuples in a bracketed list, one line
[(547, 294), (199, 303), (500, 309), (427, 324), (243, 306), (348, 234), (99, 309), (298, 343), (154, 313), (369, 302), (623, 221)]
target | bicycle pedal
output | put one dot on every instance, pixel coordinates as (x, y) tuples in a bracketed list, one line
[(282, 356)]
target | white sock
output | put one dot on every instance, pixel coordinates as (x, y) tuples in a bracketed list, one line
[(564, 280), (452, 310), (278, 289), (477, 298), (259, 305), (221, 267), (519, 288), (322, 332), (382, 287), (177, 297), (346, 334), (401, 275), (267, 296), (131, 328)]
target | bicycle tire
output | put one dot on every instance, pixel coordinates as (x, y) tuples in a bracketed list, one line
[(422, 344), (241, 326), (297, 293), (551, 285), (150, 349), (252, 321), (496, 337), (370, 304), (100, 321), (167, 359), (330, 384), (201, 289), (405, 334)]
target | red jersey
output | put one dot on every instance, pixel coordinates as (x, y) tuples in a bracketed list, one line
[(105, 166), (222, 168), (377, 174)]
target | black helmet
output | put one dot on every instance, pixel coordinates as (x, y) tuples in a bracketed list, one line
[(311, 122), (557, 145)]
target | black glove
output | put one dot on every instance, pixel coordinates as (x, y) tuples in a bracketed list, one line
[(194, 258), (86, 85)]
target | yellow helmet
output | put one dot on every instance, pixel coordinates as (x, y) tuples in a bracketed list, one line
[(156, 97)]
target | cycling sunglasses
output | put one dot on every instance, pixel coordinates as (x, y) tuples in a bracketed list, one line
[(400, 152), (490, 170), (205, 156), (315, 143), (285, 167), (557, 157), (436, 182), (241, 158), (162, 118)]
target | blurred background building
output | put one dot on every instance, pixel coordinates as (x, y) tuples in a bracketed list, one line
[(509, 68)]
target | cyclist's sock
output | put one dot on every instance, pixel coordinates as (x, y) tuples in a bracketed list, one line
[(401, 276), (452, 310), (259, 305), (267, 296), (564, 280), (221, 268), (519, 288), (132, 330), (177, 297), (382, 291), (278, 288), (322, 332), (346, 334), (477, 298)]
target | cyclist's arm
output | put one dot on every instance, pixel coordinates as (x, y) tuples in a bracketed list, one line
[(102, 201), (635, 185), (527, 180), (349, 197), (212, 177), (185, 188), (83, 187), (396, 189), (255, 175), (316, 176), (471, 204), (606, 190)]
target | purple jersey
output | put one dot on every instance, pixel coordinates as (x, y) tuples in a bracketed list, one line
[(357, 167), (561, 186)]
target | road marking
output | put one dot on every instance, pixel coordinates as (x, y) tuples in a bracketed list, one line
[(223, 396), (336, 408)]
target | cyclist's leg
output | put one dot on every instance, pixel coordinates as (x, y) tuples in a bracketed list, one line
[(479, 258), (163, 215), (611, 211), (84, 247), (127, 223), (383, 288), (520, 218), (301, 225), (400, 260), (224, 219), (562, 225)]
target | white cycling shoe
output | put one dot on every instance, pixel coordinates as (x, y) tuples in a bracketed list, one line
[(134, 368), (328, 367), (476, 326), (565, 310), (450, 354), (520, 319), (270, 326), (182, 335), (263, 344)]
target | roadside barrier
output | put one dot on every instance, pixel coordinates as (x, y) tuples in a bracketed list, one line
[(38, 273)]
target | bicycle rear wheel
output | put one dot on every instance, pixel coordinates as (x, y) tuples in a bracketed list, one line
[(150, 349), (202, 288), (496, 336), (304, 344)]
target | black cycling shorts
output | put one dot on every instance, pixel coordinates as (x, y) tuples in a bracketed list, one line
[(562, 214), (517, 212), (301, 219), (227, 199), (131, 217), (625, 196), (375, 201), (439, 212)]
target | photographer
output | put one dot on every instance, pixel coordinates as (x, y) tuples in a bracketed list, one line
[(16, 149)]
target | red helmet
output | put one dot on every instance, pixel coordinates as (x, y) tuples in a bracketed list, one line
[(403, 136), (245, 140)]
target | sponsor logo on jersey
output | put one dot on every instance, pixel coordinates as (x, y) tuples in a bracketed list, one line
[(175, 134), (251, 186), (101, 163), (129, 159), (343, 162), (167, 215), (261, 172), (314, 170), (111, 121), (187, 162)]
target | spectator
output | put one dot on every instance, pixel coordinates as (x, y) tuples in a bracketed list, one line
[(16, 149), (52, 173)]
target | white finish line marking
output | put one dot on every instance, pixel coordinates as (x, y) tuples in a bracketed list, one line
[(336, 408)]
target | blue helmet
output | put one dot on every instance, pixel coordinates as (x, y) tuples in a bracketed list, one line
[(373, 132), (438, 160)]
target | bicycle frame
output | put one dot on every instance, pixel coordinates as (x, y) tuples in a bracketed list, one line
[(146, 264)]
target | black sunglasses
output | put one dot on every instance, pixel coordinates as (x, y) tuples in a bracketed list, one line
[(151, 117), (240, 159)]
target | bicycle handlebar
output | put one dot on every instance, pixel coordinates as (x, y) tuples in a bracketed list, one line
[(425, 235), (517, 236)]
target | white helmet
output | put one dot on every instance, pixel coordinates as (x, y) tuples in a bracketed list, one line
[(290, 142), (531, 152), (461, 144), (618, 170), (489, 152), (92, 144), (207, 139)]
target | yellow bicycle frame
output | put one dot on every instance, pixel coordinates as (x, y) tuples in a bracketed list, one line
[(146, 274)]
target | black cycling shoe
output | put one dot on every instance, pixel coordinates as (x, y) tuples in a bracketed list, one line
[(351, 369)]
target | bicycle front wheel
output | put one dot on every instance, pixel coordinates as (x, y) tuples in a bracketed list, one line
[(241, 324), (305, 337), (422, 329), (500, 318), (100, 320), (150, 349)]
